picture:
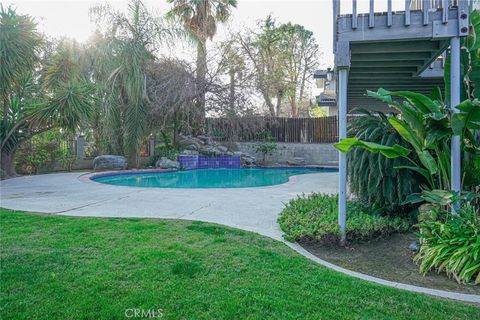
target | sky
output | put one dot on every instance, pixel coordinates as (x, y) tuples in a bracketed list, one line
[(70, 17)]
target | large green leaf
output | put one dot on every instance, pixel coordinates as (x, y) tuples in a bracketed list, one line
[(382, 95), (436, 94), (422, 171), (406, 132), (438, 197), (412, 117), (420, 101), (345, 145), (466, 122), (428, 161)]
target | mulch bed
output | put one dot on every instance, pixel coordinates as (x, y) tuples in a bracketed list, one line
[(387, 258)]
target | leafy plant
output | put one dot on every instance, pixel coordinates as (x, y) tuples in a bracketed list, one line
[(66, 159), (314, 217), (441, 198), (35, 160), (167, 151), (36, 154), (451, 245), (265, 145), (427, 126), (470, 62), (36, 96), (373, 177), (200, 19), (123, 54)]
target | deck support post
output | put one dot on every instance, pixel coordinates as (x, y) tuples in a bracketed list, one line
[(342, 157), (455, 100)]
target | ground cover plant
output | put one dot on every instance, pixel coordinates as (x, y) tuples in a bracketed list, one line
[(315, 217), (451, 244), (90, 268)]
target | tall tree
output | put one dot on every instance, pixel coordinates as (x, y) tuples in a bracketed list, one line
[(300, 52), (231, 85), (283, 58), (200, 18), (171, 91), (31, 104), (122, 56)]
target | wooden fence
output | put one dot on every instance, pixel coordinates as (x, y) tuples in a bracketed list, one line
[(300, 130)]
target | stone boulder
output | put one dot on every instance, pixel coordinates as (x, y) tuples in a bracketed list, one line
[(165, 163), (247, 160), (206, 140), (110, 162), (204, 144), (222, 149), (190, 140), (189, 153), (210, 151), (297, 161), (193, 147), (414, 246)]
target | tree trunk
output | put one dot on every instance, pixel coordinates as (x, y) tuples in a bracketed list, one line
[(201, 81), (134, 158), (268, 102), (231, 97), (8, 163), (293, 105), (278, 107), (6, 107)]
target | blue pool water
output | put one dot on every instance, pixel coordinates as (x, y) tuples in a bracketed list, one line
[(208, 178)]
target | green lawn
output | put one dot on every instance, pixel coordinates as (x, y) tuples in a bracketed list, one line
[(85, 268)]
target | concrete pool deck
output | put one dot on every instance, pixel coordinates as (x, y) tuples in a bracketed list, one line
[(252, 209)]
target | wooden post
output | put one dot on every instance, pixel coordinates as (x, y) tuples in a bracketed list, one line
[(407, 12), (425, 9), (354, 14), (389, 13), (80, 147), (371, 15)]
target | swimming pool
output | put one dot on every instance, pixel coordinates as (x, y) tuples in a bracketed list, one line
[(207, 178)]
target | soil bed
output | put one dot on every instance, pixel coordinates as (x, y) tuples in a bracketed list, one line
[(387, 258)]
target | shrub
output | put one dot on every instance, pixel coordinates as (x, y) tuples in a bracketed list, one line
[(66, 159), (372, 177), (266, 144), (314, 217), (38, 154), (451, 245), (471, 174), (166, 151)]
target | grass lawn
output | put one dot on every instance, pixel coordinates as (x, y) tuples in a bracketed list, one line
[(85, 268)]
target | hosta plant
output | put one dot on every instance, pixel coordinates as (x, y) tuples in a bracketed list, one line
[(451, 244)]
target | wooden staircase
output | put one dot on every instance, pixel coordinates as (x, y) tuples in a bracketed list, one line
[(401, 50)]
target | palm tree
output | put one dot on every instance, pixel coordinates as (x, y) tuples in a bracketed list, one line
[(200, 18), (123, 51), (29, 105)]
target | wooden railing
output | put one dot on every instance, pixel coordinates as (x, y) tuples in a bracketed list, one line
[(296, 130), (423, 5)]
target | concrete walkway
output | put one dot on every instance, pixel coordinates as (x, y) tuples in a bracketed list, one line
[(252, 209)]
